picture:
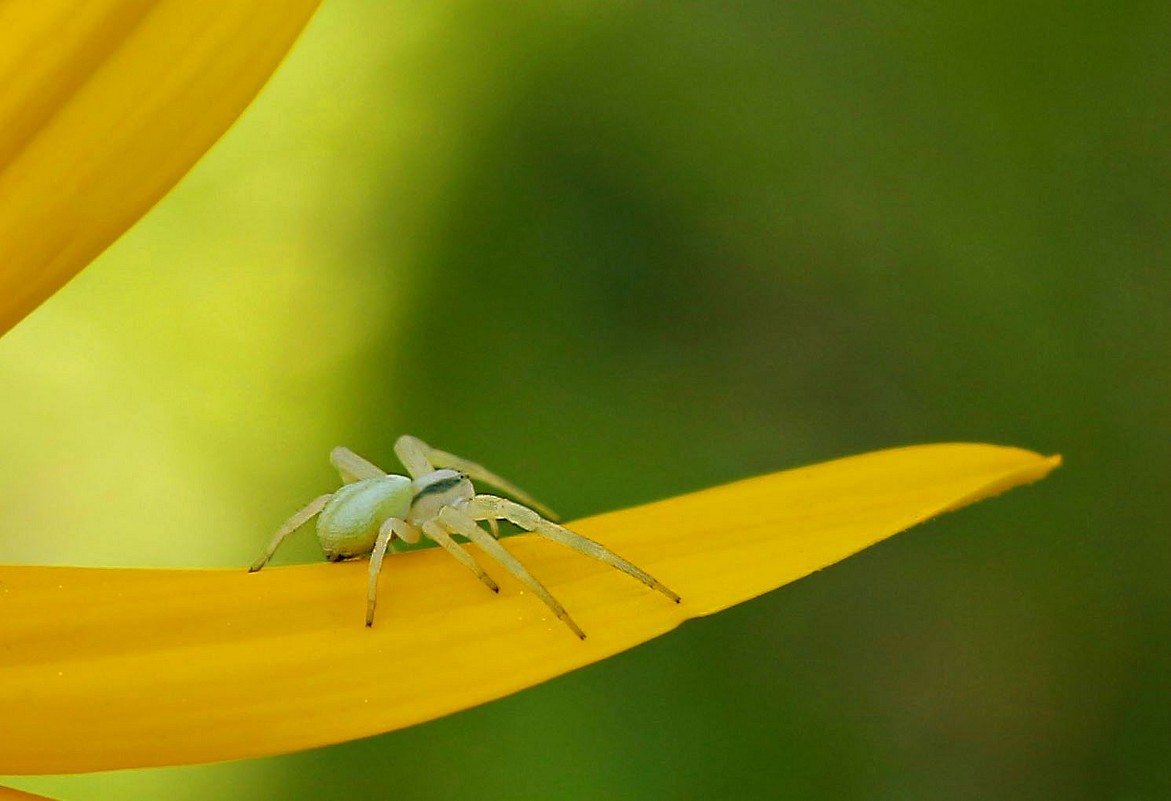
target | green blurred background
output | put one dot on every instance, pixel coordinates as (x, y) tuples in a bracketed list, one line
[(619, 251)]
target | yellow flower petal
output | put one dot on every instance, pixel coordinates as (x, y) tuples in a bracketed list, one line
[(104, 105), (104, 669), (9, 794)]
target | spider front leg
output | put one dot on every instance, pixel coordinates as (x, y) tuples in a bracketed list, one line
[(292, 524), (459, 523), (437, 533), (391, 527), (420, 458), (486, 507)]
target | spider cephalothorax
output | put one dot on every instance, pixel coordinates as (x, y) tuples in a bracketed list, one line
[(437, 501)]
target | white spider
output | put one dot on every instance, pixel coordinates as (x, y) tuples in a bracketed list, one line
[(437, 501)]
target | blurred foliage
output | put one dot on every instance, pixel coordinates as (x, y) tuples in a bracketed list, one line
[(619, 251)]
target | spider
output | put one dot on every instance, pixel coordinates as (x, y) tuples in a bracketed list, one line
[(438, 500)]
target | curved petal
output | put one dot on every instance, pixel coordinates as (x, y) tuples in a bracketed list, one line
[(104, 105), (103, 669), (9, 794)]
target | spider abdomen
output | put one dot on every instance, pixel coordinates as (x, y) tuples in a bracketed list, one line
[(348, 525)]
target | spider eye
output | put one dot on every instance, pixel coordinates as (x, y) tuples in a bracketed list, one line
[(441, 482)]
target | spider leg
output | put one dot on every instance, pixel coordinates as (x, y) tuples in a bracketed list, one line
[(416, 454), (484, 507), (412, 452), (391, 527), (353, 467), (459, 523), (436, 532), (292, 524)]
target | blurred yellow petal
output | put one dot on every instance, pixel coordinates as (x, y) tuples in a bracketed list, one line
[(8, 794), (103, 668), (104, 105)]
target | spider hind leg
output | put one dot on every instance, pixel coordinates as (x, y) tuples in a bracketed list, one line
[(300, 518)]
